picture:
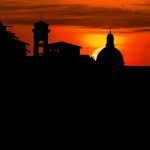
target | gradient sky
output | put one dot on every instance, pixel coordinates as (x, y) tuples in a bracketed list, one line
[(86, 23)]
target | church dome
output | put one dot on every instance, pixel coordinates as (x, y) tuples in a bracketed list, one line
[(110, 56)]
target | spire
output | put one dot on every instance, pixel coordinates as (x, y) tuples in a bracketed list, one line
[(110, 31)]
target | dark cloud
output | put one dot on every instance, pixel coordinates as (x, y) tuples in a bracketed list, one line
[(140, 4), (77, 15), (142, 30)]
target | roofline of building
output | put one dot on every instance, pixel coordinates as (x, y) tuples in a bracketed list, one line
[(65, 43)]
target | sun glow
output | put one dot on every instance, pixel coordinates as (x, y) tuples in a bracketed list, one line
[(96, 42), (95, 53)]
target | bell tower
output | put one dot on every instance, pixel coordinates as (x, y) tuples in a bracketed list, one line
[(41, 32)]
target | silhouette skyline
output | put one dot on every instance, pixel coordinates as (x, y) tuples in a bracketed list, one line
[(87, 23), (62, 78), (110, 61)]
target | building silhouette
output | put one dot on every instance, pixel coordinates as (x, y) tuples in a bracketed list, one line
[(54, 51), (110, 56), (10, 45), (65, 51), (41, 31), (13, 52)]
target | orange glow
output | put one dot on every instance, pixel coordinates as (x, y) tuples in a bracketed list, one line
[(135, 51), (86, 23)]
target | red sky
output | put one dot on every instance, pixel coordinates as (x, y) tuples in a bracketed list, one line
[(86, 23)]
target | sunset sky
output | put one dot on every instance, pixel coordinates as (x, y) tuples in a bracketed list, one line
[(86, 23)]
